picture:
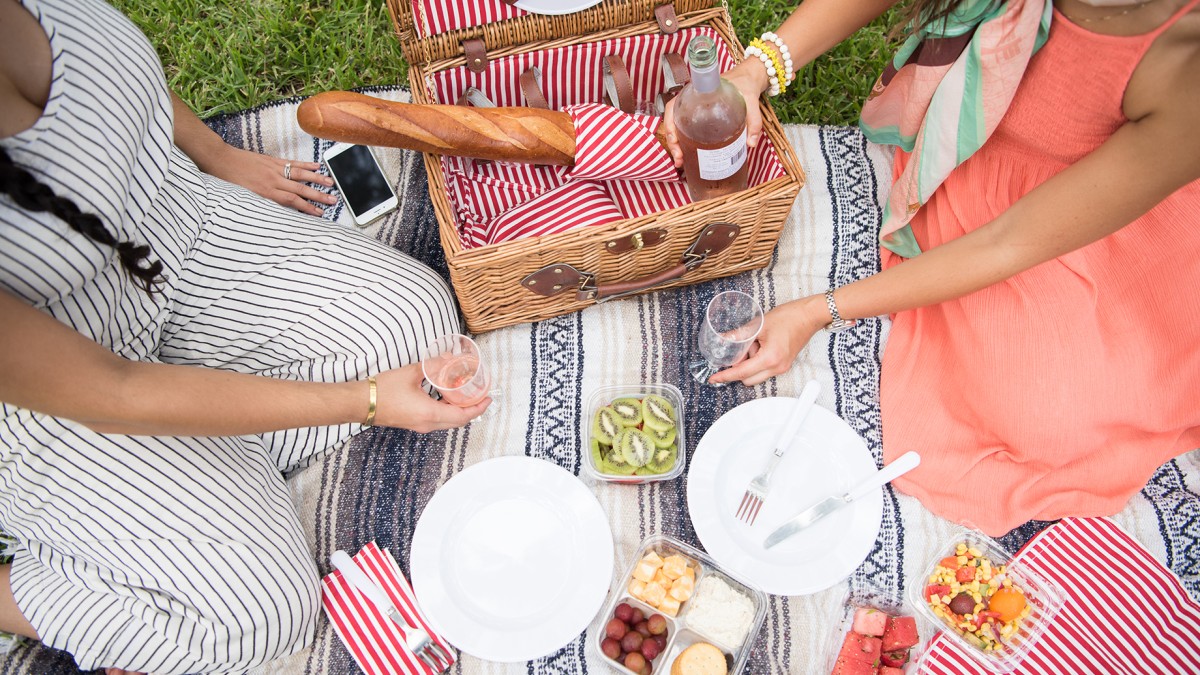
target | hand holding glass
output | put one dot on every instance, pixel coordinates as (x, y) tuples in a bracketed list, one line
[(731, 323), (454, 366)]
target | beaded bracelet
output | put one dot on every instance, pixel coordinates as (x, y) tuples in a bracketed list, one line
[(784, 54), (772, 62), (760, 51)]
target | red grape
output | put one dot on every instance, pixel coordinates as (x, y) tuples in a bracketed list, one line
[(650, 649), (623, 612), (631, 642), (646, 670), (661, 641), (657, 624), (635, 661), (635, 617), (611, 648), (616, 629), (643, 628)]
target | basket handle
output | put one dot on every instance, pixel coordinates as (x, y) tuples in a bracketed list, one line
[(554, 279)]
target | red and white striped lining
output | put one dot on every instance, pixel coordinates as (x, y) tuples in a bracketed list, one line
[(572, 75), (433, 17), (1124, 613), (376, 642), (575, 204)]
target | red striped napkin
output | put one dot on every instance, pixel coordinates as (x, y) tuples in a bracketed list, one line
[(576, 204), (1124, 613), (613, 145), (374, 640)]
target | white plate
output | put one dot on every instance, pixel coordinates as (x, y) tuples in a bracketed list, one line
[(826, 458), (511, 559), (555, 6)]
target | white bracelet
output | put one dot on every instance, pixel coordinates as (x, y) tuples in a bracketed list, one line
[(772, 75), (784, 54)]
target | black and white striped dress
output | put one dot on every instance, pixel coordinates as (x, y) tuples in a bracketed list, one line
[(167, 554)]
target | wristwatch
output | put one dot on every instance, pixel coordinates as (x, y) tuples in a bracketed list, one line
[(838, 324)]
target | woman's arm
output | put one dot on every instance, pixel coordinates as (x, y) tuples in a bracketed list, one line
[(1135, 169), (812, 29), (259, 173), (50, 368)]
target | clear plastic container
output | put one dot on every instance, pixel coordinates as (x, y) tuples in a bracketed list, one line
[(681, 634), (605, 395), (843, 623), (1044, 598)]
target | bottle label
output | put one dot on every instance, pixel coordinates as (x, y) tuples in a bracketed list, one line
[(722, 162)]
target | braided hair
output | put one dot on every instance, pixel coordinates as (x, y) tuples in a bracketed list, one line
[(32, 194)]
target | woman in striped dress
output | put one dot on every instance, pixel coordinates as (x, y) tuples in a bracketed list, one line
[(170, 345)]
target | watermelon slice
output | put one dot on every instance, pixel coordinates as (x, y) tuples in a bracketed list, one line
[(861, 648), (887, 670), (868, 621), (901, 633), (848, 666)]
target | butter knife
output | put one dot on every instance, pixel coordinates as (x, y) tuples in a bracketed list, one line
[(354, 575), (900, 466)]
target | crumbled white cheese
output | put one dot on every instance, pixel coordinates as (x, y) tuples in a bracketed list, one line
[(720, 612)]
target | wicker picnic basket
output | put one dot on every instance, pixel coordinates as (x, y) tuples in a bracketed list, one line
[(541, 277)]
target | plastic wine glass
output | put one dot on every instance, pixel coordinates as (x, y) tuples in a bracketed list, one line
[(455, 368), (731, 323)]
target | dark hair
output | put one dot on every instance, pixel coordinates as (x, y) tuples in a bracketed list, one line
[(921, 13), (32, 194)]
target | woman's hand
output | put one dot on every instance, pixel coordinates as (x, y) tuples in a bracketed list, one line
[(401, 402), (272, 178), (750, 78), (786, 329)]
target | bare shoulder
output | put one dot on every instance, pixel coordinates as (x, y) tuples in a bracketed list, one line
[(1165, 88)]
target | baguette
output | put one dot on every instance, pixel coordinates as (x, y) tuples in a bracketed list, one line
[(528, 135)]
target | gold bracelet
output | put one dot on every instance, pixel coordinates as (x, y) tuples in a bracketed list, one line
[(371, 405)]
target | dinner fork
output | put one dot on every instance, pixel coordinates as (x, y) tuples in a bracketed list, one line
[(415, 638), (756, 492)]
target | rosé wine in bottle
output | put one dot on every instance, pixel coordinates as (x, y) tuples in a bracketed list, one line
[(710, 123)]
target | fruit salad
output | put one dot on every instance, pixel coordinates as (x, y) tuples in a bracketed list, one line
[(635, 436), (976, 598)]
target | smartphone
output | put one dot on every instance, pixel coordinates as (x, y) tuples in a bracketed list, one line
[(360, 179)]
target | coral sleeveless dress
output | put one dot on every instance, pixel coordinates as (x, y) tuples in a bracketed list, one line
[(1061, 390)]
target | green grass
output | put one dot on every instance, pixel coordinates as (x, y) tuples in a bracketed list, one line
[(226, 56)]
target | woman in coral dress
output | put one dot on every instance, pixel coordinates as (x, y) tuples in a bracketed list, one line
[(1044, 356)]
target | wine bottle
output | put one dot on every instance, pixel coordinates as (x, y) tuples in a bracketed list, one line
[(710, 125)]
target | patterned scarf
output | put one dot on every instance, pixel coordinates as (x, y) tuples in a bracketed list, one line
[(944, 94)]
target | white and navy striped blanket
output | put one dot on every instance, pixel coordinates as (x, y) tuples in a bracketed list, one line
[(376, 488)]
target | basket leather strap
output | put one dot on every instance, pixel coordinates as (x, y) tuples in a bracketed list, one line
[(531, 87), (668, 23), (554, 279), (473, 97), (476, 53), (675, 75), (618, 88)]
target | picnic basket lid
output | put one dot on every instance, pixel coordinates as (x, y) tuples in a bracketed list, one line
[(435, 30)]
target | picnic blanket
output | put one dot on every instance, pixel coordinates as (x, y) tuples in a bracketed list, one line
[(376, 487)]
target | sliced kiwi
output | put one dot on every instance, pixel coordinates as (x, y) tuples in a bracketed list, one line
[(663, 438), (614, 465), (645, 471), (628, 410), (606, 425), (636, 446), (658, 413), (598, 452), (663, 459)]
